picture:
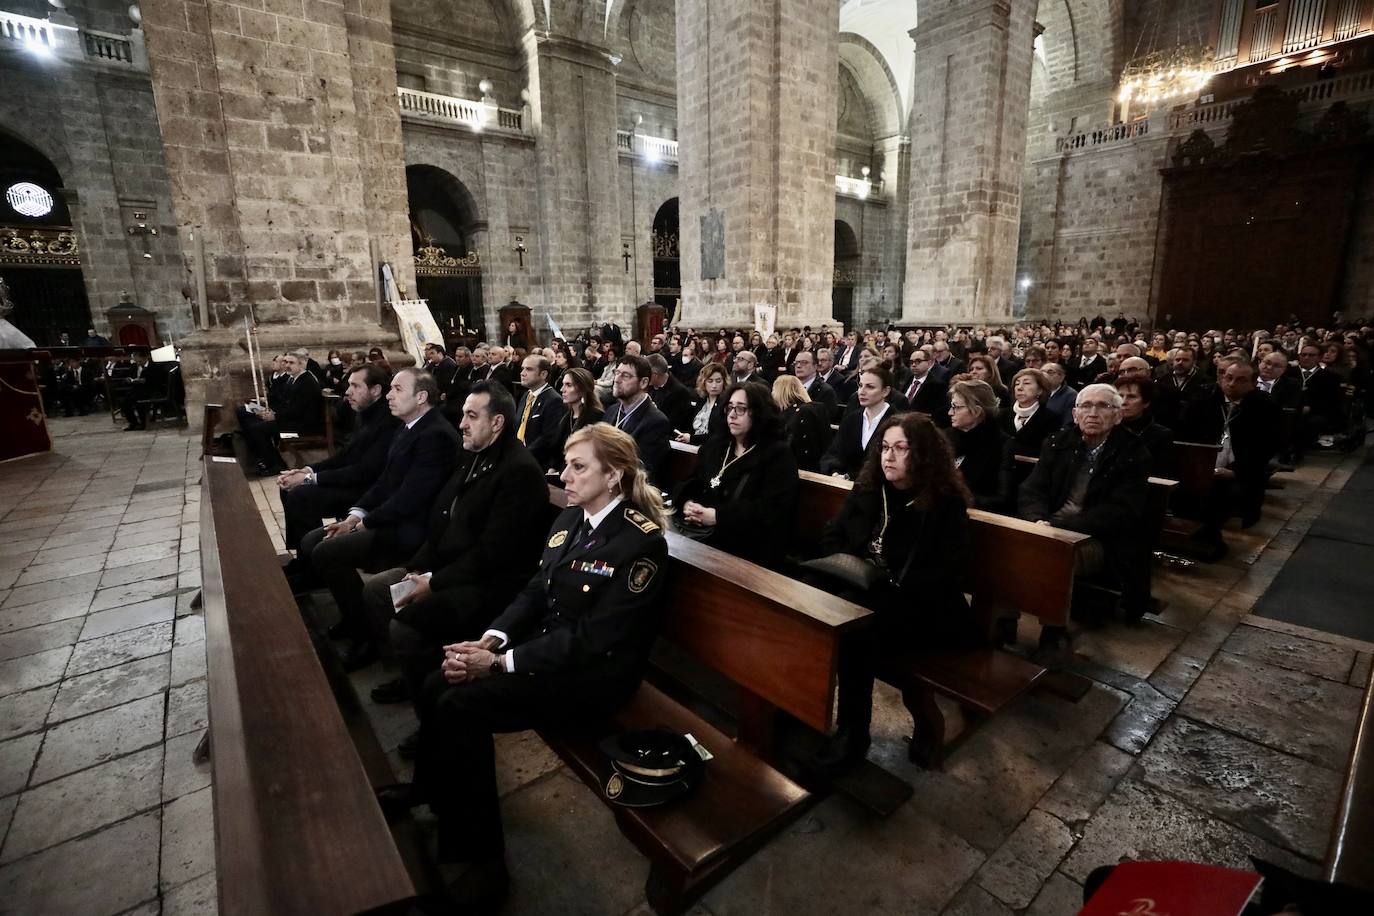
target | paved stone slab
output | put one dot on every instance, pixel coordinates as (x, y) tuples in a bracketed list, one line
[(152, 569), (97, 543), (186, 709), (1086, 783), (1293, 652), (1276, 796), (39, 639), (53, 609), (118, 648), (1015, 872), (181, 775), (24, 712), (80, 696), (118, 869), (16, 761), (89, 740), (1136, 650), (1060, 896), (75, 804), (194, 898), (1141, 822), (188, 838), (974, 901), (188, 663), (57, 588), (133, 555), (128, 617), (1288, 710), (133, 593), (30, 671)]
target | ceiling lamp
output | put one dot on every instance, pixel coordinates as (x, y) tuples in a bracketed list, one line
[(1166, 77)]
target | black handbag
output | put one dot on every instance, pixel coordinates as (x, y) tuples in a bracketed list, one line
[(848, 568)]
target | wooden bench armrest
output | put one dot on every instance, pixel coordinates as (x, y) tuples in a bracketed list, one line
[(1348, 858)]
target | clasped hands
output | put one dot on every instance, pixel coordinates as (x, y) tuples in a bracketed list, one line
[(289, 480), (699, 514), (468, 661), (343, 526)]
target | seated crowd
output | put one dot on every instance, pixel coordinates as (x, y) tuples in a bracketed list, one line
[(426, 526)]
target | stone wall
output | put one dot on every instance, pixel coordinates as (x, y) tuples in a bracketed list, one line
[(451, 46)]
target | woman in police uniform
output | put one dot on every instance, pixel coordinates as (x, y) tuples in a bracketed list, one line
[(570, 648)]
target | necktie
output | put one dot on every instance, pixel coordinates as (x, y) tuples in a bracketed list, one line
[(915, 387), (525, 416)]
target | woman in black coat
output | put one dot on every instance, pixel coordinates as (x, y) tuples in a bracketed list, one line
[(583, 408), (708, 405), (1137, 396), (980, 446), (743, 496), (805, 424), (1029, 422), (906, 517)]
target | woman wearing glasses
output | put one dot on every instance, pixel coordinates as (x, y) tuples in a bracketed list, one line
[(906, 517), (743, 496)]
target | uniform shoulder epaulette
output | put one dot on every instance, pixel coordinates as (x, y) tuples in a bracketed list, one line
[(640, 521)]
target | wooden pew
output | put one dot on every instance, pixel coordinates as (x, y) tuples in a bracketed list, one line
[(297, 826), (1161, 492), (1349, 859), (296, 443), (214, 414), (778, 642)]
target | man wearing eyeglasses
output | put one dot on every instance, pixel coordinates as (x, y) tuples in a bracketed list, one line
[(1093, 477), (820, 393), (923, 392)]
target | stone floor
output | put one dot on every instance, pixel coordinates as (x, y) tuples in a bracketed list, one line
[(1207, 734)]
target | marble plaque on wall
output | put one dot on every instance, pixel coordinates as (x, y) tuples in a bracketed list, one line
[(712, 245)]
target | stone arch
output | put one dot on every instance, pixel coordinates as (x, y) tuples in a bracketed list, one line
[(667, 266), (874, 79), (444, 215), (50, 147)]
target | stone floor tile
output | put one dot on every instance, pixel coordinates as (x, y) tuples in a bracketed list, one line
[(118, 648), (181, 775), (80, 696), (875, 866), (521, 758), (96, 543), (1136, 650), (972, 900), (75, 804), (133, 536), (1060, 896), (186, 709), (188, 663), (8, 577), (1176, 675), (1141, 822), (41, 612), (12, 546), (16, 761), (1288, 710), (1292, 652), (100, 528), (128, 617), (188, 838), (1015, 872), (132, 555), (80, 743), (24, 712), (133, 592), (1086, 783), (1281, 798), (188, 562), (198, 897), (159, 510), (118, 869), (40, 638), (57, 588), (190, 629), (152, 569), (189, 579), (7, 806), (38, 670)]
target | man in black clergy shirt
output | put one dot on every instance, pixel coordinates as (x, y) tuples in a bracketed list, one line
[(635, 413), (539, 412), (388, 522), (329, 488)]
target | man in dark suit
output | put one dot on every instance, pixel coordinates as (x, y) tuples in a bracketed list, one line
[(1321, 410), (946, 363), (805, 368), (459, 384), (1087, 366), (924, 393), (299, 408), (846, 355), (1245, 422), (498, 370), (1284, 390), (329, 488), (437, 361), (479, 552), (539, 412), (669, 395), (388, 522), (1007, 365), (147, 381), (635, 413)]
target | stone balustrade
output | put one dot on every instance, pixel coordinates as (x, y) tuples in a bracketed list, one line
[(64, 41), (447, 109), (650, 149), (860, 188)]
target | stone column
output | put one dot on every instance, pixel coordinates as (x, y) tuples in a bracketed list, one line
[(968, 142), (282, 138), (572, 104), (756, 159)]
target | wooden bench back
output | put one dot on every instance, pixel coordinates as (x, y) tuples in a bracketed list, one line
[(1162, 490), (774, 637), (1348, 858), (1196, 463), (297, 827), (214, 413)]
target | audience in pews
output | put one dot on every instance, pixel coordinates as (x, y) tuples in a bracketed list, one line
[(925, 393), (745, 488), (806, 424), (294, 405), (707, 409), (389, 520), (982, 368), (582, 408), (1137, 416), (979, 443), (635, 413), (905, 523), (671, 397), (570, 649), (1062, 395)]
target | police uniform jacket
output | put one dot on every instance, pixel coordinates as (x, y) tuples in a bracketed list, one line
[(595, 605)]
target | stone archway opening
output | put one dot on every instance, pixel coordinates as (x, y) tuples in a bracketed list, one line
[(846, 274), (40, 257), (448, 269), (667, 267)]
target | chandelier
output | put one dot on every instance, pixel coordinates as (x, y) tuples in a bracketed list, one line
[(1171, 76)]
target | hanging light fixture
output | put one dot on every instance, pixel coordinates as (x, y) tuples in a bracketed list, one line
[(1166, 77)]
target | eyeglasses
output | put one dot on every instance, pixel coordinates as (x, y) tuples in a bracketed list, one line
[(1095, 407), (737, 410), (899, 448)]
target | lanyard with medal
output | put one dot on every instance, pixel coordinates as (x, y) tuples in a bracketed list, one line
[(715, 481)]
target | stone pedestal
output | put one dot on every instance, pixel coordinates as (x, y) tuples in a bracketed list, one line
[(756, 149), (968, 141)]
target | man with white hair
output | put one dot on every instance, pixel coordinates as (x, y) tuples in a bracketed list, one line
[(1007, 365), (1093, 477)]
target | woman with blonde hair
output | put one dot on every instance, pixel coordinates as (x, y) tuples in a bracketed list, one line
[(984, 369), (805, 424), (708, 406), (569, 651), (980, 445)]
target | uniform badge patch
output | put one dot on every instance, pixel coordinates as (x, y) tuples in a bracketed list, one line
[(614, 786), (558, 539), (640, 521), (641, 574)]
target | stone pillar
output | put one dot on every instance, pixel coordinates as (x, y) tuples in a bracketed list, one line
[(756, 159), (894, 164), (968, 142), (572, 104), (282, 138)]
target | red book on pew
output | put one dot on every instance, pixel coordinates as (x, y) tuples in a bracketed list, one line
[(1172, 889)]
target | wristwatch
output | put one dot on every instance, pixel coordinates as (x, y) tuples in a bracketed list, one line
[(498, 664)]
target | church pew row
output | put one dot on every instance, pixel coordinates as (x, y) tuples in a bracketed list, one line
[(295, 813), (778, 642), (1161, 493)]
